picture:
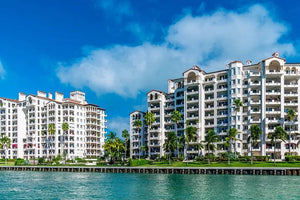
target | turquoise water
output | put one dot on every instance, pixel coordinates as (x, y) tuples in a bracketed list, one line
[(63, 185)]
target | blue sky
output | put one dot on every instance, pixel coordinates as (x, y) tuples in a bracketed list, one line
[(116, 51)]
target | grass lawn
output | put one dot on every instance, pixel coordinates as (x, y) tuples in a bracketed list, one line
[(8, 163), (223, 164)]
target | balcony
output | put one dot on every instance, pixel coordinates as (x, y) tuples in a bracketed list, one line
[(273, 120), (274, 72), (154, 144), (255, 92), (273, 83), (290, 85), (192, 82), (192, 117), (192, 91), (290, 94), (255, 83), (254, 74), (193, 100), (273, 92), (289, 73), (291, 103), (255, 102), (273, 101), (273, 111)]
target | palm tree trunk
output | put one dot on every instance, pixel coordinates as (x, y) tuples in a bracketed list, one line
[(169, 158), (274, 153), (251, 153), (125, 149), (290, 140), (185, 151), (149, 156), (229, 150), (177, 149), (208, 154)]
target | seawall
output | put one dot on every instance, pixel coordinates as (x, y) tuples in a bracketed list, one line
[(159, 170)]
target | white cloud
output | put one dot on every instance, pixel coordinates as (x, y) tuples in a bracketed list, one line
[(2, 71), (118, 124), (210, 41)]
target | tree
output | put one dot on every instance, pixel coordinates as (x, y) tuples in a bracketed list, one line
[(190, 135), (237, 106), (111, 135), (126, 136), (51, 131), (170, 144), (149, 119), (65, 128), (291, 115), (210, 138), (231, 136), (138, 124), (5, 143), (114, 147), (254, 136), (144, 149), (280, 135), (176, 116)]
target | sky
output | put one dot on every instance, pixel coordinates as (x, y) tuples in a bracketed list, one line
[(117, 51)]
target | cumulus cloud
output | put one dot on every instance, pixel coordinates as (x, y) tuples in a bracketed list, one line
[(2, 71), (210, 41), (118, 124)]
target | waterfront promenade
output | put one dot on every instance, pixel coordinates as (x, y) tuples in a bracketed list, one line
[(161, 170)]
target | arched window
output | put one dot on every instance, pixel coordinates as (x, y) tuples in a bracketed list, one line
[(156, 96), (151, 96), (191, 77), (274, 66)]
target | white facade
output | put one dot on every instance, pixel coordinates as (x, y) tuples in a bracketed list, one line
[(205, 101), (25, 121)]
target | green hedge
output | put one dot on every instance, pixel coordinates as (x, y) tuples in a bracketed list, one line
[(292, 158), (19, 161), (261, 158), (133, 163)]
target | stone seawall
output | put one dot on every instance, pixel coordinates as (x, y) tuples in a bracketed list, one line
[(159, 170)]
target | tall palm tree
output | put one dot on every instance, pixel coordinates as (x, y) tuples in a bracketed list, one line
[(126, 136), (210, 138), (144, 148), (65, 128), (138, 124), (5, 143), (280, 135), (255, 134), (190, 135), (170, 144), (51, 131), (231, 137), (149, 119), (237, 106), (111, 135), (120, 147), (291, 115), (176, 116)]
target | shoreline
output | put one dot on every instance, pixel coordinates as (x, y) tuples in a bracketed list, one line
[(162, 170)]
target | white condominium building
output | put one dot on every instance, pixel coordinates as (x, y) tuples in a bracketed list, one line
[(205, 100), (26, 122)]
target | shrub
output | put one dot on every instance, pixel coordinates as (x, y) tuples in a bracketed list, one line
[(245, 158), (262, 158), (41, 161), (19, 161)]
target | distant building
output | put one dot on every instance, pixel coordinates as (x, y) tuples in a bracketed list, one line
[(205, 100), (25, 121)]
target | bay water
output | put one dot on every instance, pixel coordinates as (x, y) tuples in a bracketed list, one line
[(64, 185)]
